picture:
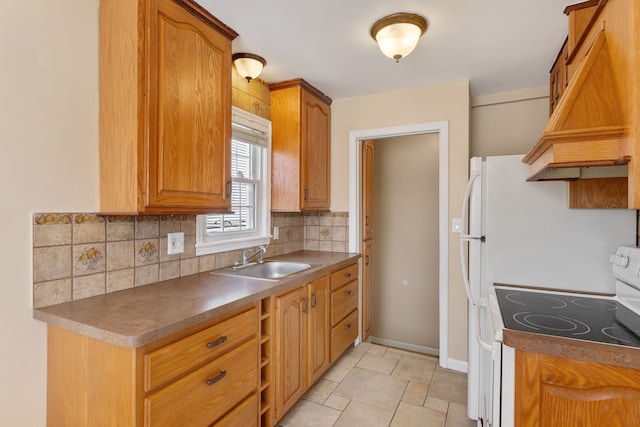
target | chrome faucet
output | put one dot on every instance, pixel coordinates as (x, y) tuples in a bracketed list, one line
[(248, 256)]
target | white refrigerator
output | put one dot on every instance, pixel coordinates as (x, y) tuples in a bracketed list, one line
[(523, 233)]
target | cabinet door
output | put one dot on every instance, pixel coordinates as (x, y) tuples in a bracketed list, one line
[(367, 288), (316, 132), (367, 190), (560, 392), (318, 328), (291, 314), (189, 111)]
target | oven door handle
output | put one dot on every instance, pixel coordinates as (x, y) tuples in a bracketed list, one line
[(486, 345)]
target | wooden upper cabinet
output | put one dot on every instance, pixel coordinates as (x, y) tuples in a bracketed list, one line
[(165, 108), (301, 144)]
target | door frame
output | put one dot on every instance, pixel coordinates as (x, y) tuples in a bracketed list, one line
[(355, 208)]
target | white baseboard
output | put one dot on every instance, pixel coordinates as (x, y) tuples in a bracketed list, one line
[(458, 365), (406, 346)]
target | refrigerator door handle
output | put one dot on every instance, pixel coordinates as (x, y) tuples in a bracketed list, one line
[(482, 302), (464, 237)]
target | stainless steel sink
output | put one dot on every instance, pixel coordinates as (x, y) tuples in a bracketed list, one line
[(268, 270)]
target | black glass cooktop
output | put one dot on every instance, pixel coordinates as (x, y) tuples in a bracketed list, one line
[(570, 316)]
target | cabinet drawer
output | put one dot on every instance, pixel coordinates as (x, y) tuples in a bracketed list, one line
[(343, 335), (343, 276), (344, 301), (176, 358), (245, 414), (203, 396)]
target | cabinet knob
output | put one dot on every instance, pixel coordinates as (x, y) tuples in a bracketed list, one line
[(348, 326), (347, 293), (212, 381), (217, 342), (347, 275)]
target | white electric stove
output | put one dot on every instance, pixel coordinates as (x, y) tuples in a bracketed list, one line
[(612, 320)]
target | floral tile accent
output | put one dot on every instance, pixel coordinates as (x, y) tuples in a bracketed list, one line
[(87, 217), (88, 259), (51, 218), (146, 251)]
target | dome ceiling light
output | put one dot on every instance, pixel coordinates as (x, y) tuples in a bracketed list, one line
[(248, 65), (398, 34)]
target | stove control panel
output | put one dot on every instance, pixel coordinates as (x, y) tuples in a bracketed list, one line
[(626, 265)]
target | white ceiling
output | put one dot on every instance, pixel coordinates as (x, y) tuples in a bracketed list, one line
[(498, 45)]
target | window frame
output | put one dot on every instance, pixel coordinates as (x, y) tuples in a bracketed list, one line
[(232, 240)]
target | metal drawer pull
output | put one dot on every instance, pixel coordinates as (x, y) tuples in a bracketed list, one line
[(217, 378), (348, 326), (313, 300), (217, 342), (347, 293)]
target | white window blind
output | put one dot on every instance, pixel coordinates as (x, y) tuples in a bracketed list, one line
[(248, 224)]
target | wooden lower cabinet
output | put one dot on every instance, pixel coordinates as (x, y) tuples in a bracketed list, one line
[(248, 367), (314, 326), (205, 375), (344, 309), (291, 335), (318, 329), (559, 392), (302, 342)]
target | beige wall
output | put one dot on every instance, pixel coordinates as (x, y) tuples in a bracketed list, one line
[(49, 133), (417, 105), (508, 122), (406, 240)]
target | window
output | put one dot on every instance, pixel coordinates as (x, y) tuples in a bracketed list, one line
[(249, 223)]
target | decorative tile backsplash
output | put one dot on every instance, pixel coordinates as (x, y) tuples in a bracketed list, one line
[(80, 255)]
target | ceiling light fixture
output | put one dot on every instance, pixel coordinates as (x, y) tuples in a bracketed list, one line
[(248, 65), (398, 34)]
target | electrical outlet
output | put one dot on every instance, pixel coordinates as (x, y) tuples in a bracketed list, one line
[(175, 243), (276, 233), (456, 225)]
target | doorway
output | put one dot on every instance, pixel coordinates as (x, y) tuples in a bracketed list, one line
[(355, 203), (405, 301)]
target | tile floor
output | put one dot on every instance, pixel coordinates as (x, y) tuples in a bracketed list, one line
[(373, 386)]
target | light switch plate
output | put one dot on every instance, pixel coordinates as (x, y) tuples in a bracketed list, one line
[(456, 225), (175, 243)]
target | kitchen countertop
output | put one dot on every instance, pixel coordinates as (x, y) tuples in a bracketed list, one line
[(139, 316), (608, 354)]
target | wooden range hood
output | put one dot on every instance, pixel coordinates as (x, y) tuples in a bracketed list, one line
[(587, 128)]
